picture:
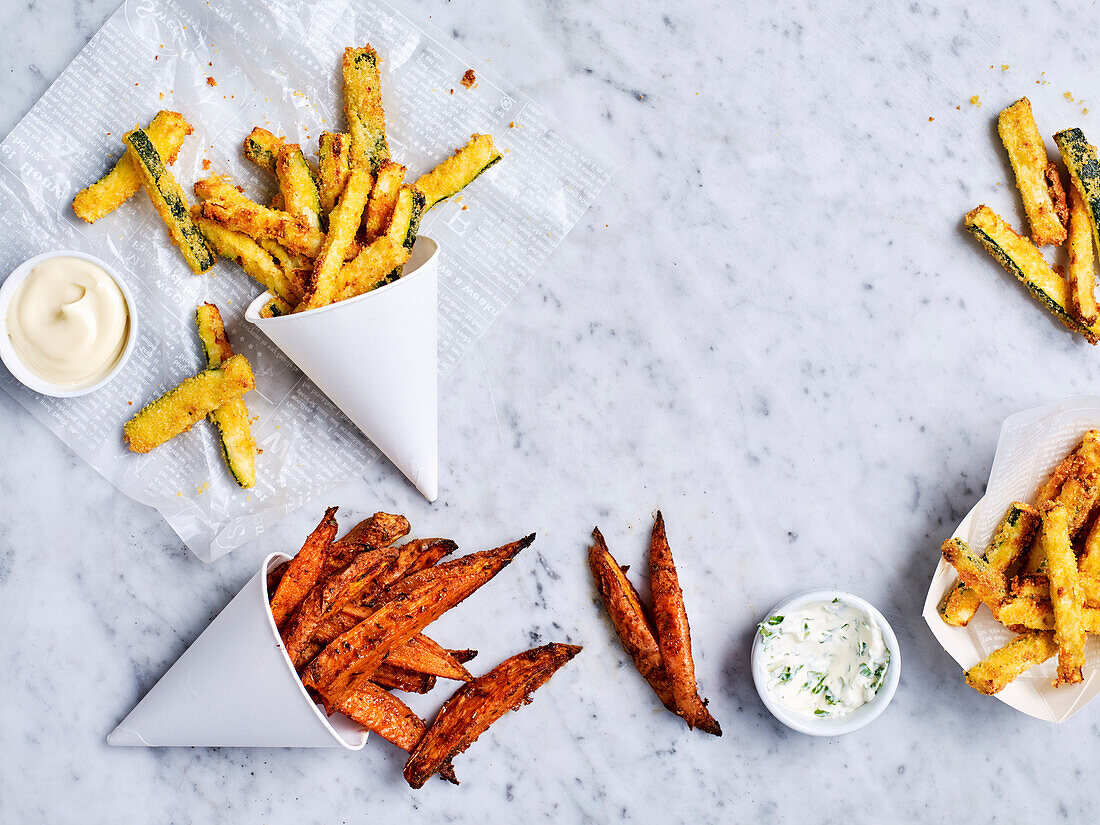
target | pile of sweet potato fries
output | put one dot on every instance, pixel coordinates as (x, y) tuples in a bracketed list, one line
[(351, 614), (658, 640)]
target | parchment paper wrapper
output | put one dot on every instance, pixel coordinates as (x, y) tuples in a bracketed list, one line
[(236, 687), (1032, 443), (276, 64), (374, 356)]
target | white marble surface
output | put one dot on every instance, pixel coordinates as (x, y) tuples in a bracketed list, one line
[(771, 326)]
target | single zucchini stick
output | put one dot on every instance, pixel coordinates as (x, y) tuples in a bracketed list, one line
[(1028, 156), (1081, 272), (231, 418), (170, 201), (478, 704), (1069, 466), (404, 224), (297, 187), (630, 619), (178, 409), (1065, 595), (976, 573), (250, 256), (333, 168), (1004, 665), (383, 198), (296, 268), (363, 108), (674, 634), (379, 530), (275, 308), (262, 148), (424, 655), (1023, 613), (343, 223), (458, 171), (1084, 172), (1037, 586), (1021, 258), (419, 600), (371, 267), (1010, 544), (304, 569), (224, 203), (167, 131)]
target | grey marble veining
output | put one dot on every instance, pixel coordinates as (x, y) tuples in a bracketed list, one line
[(771, 325)]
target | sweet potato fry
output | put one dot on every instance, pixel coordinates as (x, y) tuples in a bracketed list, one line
[(673, 633), (424, 655), (463, 656), (414, 603), (420, 554), (1002, 666), (379, 711), (379, 530), (393, 677), (304, 569), (477, 704), (629, 618)]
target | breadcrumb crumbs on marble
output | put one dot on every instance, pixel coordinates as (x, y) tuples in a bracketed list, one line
[(162, 95), (1068, 96), (975, 101), (205, 164), (1004, 67), (931, 119), (469, 79), (211, 81)]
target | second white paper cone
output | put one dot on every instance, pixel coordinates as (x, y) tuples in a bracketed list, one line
[(235, 687), (374, 356)]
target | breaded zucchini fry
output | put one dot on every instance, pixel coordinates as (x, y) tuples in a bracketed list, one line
[(1079, 492), (630, 619), (256, 262), (371, 267), (304, 570), (178, 409), (415, 602), (224, 203), (477, 704), (1028, 156), (167, 131), (1065, 595), (333, 168), (170, 201), (383, 198), (363, 108), (1021, 258), (1004, 665), (458, 171), (262, 148), (343, 223), (1010, 544), (1081, 272), (1084, 172), (975, 573), (232, 420), (674, 634), (297, 186)]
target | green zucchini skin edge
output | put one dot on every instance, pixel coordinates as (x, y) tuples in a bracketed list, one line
[(1041, 295), (492, 161), (1084, 167), (150, 158), (260, 155)]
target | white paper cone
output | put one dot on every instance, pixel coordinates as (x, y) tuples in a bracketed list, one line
[(1032, 443), (236, 687), (374, 356)]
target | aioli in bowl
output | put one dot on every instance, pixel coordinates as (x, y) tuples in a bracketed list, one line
[(823, 658), (68, 322)]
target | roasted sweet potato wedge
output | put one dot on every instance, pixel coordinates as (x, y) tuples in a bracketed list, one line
[(414, 603), (379, 530), (424, 655), (399, 678), (629, 617), (477, 704), (304, 570), (673, 633)]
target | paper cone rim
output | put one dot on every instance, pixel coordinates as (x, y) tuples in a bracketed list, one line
[(265, 568), (253, 312)]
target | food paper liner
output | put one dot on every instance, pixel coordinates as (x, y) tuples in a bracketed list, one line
[(276, 64), (1031, 445), (236, 687), (374, 356)]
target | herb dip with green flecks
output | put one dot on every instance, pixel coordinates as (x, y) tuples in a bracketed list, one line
[(823, 658)]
